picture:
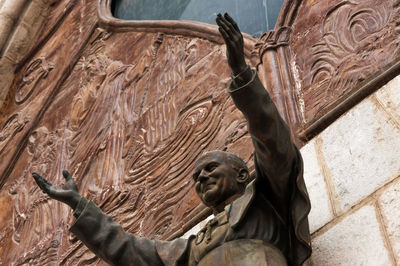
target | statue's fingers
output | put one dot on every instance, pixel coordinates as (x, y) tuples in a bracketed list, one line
[(221, 21), (228, 27), (218, 20), (231, 22), (224, 34), (42, 183), (38, 179), (67, 175)]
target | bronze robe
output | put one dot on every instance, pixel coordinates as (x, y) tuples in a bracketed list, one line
[(269, 218)]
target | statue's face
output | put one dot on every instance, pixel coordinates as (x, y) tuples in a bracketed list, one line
[(215, 179)]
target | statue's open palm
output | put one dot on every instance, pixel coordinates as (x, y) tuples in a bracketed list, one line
[(67, 193)]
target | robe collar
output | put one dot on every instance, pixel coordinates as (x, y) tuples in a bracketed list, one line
[(238, 208)]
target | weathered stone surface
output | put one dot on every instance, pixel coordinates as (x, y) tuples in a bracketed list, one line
[(389, 97), (356, 240), (359, 151), (390, 205), (317, 189)]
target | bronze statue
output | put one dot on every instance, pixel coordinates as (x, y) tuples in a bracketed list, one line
[(257, 222)]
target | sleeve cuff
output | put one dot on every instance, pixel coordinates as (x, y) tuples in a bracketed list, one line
[(80, 207)]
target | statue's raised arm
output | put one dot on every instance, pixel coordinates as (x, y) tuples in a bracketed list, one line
[(278, 163), (275, 153)]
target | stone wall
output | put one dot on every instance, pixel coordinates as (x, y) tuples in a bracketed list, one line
[(352, 170)]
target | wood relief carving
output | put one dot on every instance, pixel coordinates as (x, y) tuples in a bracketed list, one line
[(349, 33), (271, 40), (275, 72), (129, 127), (58, 12), (37, 70), (39, 84), (352, 41), (35, 219), (44, 253), (11, 127), (31, 234)]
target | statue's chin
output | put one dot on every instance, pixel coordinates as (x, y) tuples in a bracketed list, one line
[(210, 197)]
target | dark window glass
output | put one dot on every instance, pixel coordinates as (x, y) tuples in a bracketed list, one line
[(253, 16)]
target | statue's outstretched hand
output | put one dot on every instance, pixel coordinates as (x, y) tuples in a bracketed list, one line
[(234, 43), (67, 193)]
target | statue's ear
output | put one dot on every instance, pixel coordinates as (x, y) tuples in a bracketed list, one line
[(243, 176)]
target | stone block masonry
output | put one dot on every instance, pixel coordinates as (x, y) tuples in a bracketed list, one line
[(352, 170)]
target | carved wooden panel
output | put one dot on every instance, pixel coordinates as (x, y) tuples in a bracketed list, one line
[(40, 79), (127, 113), (338, 45), (30, 223)]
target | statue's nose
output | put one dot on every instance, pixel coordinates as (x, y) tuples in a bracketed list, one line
[(203, 176)]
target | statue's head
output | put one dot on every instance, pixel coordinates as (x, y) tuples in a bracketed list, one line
[(219, 176)]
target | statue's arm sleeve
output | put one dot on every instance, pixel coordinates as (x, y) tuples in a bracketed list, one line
[(109, 241), (278, 162), (275, 153)]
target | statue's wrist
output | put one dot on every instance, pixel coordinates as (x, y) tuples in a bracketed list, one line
[(243, 77), (239, 70), (79, 208), (75, 199)]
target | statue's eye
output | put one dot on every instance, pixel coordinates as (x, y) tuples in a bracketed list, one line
[(211, 167)]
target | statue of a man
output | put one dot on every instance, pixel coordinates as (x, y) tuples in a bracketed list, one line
[(257, 222)]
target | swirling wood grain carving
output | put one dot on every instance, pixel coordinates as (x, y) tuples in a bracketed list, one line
[(136, 130), (35, 218), (348, 29), (37, 70), (10, 128), (352, 40), (128, 123)]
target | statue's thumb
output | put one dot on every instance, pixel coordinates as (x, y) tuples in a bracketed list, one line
[(66, 175), (36, 177), (40, 181)]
